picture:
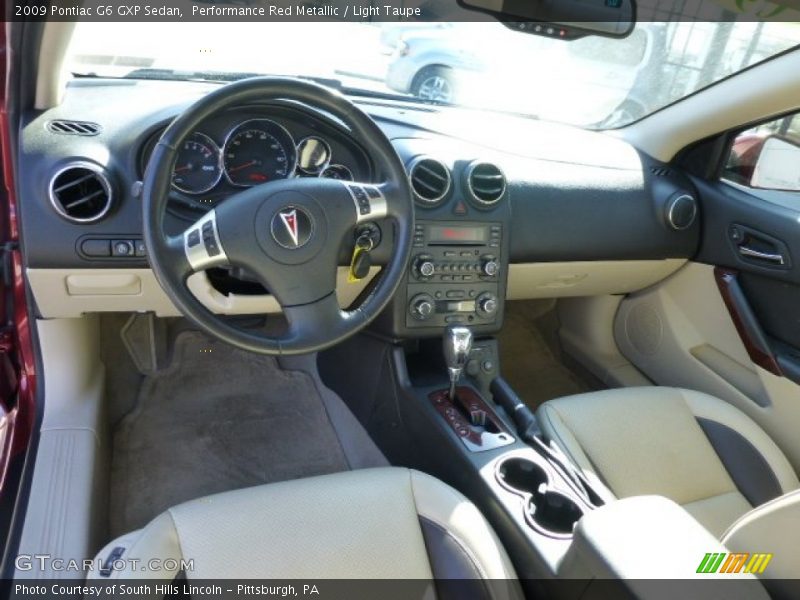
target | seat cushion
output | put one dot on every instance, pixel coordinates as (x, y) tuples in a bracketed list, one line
[(695, 449), (384, 523)]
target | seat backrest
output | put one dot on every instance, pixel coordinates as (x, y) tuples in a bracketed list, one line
[(771, 531)]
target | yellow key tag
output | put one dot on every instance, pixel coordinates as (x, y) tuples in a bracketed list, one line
[(352, 277)]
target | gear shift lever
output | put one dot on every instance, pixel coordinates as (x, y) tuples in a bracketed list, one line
[(457, 344)]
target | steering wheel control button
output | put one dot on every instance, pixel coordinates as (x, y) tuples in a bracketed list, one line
[(292, 227), (209, 253), (369, 201), (209, 239), (211, 247)]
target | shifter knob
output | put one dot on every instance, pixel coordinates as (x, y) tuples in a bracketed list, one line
[(457, 344)]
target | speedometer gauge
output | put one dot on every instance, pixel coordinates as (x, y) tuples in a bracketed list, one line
[(197, 166), (258, 151)]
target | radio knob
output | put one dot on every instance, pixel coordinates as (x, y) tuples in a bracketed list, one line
[(421, 307), (486, 304), (490, 268), (424, 266)]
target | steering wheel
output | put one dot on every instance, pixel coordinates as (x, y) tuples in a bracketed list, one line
[(287, 233)]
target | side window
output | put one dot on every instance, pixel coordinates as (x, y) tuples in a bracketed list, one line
[(767, 156)]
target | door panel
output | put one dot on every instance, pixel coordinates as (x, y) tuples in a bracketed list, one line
[(732, 216), (776, 304), (735, 217)]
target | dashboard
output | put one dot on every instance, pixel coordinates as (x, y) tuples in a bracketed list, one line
[(506, 207)]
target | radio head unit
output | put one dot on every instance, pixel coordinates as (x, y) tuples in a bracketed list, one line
[(455, 275)]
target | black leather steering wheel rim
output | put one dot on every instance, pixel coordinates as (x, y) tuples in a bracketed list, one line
[(315, 320)]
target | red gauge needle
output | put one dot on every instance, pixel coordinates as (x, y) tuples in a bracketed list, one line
[(244, 166), (184, 168)]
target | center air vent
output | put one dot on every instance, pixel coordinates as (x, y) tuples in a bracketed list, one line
[(486, 183), (68, 127), (430, 180), (81, 192)]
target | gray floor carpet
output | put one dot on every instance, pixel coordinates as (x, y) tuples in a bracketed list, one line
[(530, 357), (217, 419)]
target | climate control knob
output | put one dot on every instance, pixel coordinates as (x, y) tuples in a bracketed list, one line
[(490, 268), (486, 304), (421, 307)]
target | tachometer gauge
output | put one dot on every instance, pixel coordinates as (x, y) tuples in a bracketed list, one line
[(258, 151), (339, 172), (198, 167), (313, 155)]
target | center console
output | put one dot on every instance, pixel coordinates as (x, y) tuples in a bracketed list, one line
[(568, 538)]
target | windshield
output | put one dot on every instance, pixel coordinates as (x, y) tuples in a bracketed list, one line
[(593, 82)]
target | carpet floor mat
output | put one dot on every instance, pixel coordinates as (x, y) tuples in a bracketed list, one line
[(529, 357), (216, 419)]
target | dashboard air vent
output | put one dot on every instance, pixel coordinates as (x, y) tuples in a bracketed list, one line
[(430, 180), (81, 192), (486, 183), (660, 171), (67, 127)]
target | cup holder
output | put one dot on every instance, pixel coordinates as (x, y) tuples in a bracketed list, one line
[(554, 512), (547, 509), (522, 475)]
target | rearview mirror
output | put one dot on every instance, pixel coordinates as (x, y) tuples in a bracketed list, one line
[(778, 165), (565, 19)]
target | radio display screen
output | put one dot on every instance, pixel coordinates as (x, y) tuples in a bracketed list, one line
[(458, 235)]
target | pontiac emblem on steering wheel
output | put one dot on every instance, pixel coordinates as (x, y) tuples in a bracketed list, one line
[(292, 227)]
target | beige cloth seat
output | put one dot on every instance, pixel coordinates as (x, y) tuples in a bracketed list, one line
[(700, 452), (695, 449), (384, 523)]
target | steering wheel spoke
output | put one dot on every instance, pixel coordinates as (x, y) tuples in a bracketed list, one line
[(317, 321), (173, 258), (201, 243), (370, 200)]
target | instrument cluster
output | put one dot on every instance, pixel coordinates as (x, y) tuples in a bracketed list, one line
[(225, 155), (255, 151)]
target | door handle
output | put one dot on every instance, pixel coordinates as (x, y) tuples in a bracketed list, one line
[(773, 257)]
